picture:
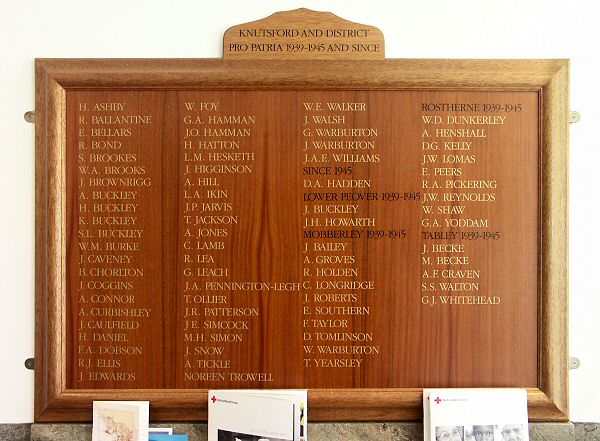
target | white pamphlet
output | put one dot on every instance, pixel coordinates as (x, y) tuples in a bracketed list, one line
[(257, 415), (475, 415)]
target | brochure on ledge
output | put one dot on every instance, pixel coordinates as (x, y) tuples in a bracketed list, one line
[(475, 415), (257, 415), (167, 437), (120, 420)]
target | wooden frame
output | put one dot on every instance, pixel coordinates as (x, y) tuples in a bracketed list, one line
[(550, 78)]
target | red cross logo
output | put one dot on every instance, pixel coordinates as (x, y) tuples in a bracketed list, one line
[(437, 400), (213, 399)]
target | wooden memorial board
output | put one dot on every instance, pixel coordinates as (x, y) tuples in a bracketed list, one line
[(363, 229)]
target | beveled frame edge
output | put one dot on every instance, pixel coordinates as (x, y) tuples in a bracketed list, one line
[(54, 403), (50, 239), (553, 320)]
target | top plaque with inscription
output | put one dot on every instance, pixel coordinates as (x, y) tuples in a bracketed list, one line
[(303, 34), (360, 229)]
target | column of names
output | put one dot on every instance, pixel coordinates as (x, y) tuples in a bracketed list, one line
[(455, 184), (112, 182), (216, 153), (336, 155)]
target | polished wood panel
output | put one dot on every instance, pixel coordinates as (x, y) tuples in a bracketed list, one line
[(390, 387)]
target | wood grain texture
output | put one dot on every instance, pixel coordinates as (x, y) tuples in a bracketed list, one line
[(251, 74), (54, 78), (303, 34), (554, 353), (50, 268)]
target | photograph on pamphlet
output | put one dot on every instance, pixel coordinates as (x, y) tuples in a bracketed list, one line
[(475, 415), (225, 435), (120, 421)]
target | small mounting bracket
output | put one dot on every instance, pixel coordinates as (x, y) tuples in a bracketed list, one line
[(30, 117), (574, 363), (574, 117), (30, 363)]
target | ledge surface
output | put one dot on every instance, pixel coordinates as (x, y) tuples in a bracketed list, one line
[(316, 432)]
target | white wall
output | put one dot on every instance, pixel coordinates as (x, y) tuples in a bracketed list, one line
[(194, 28)]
